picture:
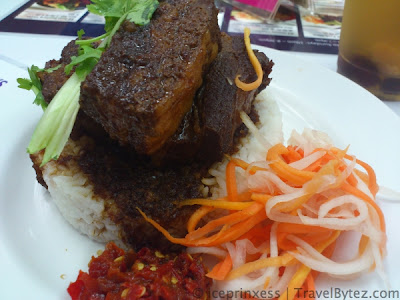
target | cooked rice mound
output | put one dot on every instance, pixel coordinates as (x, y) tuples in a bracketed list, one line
[(74, 194)]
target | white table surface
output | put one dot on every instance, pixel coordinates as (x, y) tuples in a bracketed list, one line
[(22, 50)]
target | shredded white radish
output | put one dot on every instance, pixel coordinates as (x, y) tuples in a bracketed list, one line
[(282, 199), (388, 194), (338, 223), (307, 248), (363, 187), (295, 201), (266, 181), (307, 160), (379, 264), (361, 264), (254, 130), (207, 250), (309, 140), (283, 282), (371, 228)]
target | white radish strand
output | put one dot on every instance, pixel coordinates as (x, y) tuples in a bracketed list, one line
[(360, 264), (283, 199), (262, 180), (305, 162), (214, 251), (254, 130), (379, 264), (362, 186), (307, 248), (387, 194)]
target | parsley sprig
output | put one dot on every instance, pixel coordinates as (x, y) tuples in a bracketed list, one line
[(34, 84), (55, 126)]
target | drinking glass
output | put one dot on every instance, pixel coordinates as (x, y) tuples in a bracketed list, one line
[(369, 47)]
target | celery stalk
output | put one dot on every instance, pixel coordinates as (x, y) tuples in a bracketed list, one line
[(55, 126)]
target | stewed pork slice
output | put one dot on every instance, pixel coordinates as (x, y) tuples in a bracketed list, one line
[(146, 80), (212, 126)]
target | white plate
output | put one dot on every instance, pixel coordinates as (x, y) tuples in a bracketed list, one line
[(37, 246)]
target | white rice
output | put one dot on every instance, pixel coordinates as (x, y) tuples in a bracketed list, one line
[(74, 195)]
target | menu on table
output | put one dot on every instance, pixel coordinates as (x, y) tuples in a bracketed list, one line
[(294, 27)]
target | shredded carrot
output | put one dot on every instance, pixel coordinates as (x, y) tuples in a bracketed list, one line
[(363, 244), (245, 166), (293, 205), (258, 235), (363, 176), (161, 229), (297, 281), (225, 220), (301, 274), (356, 192), (231, 181), (197, 216), (218, 204), (245, 220), (352, 180), (221, 270), (255, 63), (283, 260), (328, 252), (292, 155), (318, 164), (310, 286), (283, 170), (261, 198), (239, 229), (267, 281), (240, 163), (371, 175), (300, 228)]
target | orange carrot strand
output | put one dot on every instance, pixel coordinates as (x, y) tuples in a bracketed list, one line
[(231, 185), (356, 192), (255, 63), (197, 216), (221, 270)]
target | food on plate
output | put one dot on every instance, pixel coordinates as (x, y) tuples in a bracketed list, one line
[(99, 180), (147, 274), (244, 17), (64, 4), (146, 81), (97, 186), (212, 126), (323, 20), (163, 149), (282, 217), (54, 128)]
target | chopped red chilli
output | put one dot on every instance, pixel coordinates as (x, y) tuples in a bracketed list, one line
[(146, 274)]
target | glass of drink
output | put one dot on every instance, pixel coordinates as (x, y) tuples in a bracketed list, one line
[(369, 47)]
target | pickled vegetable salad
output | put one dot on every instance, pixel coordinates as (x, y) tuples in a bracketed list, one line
[(280, 231)]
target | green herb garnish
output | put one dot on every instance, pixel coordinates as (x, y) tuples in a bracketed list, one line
[(56, 124), (34, 84)]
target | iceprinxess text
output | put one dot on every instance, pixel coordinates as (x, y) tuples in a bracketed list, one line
[(2, 81)]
